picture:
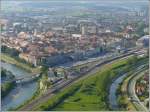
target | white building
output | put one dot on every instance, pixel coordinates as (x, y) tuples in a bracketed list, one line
[(143, 41)]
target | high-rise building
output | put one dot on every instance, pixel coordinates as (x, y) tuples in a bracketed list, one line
[(87, 27)]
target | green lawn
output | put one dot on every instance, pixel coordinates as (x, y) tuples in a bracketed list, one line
[(24, 66), (87, 94)]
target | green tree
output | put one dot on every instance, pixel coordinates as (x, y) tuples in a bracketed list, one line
[(6, 88), (140, 28), (44, 69), (133, 60), (11, 51)]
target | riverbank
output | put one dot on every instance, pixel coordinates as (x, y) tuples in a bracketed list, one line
[(6, 86), (37, 94), (22, 92), (123, 95), (34, 96), (123, 101), (92, 90), (117, 99), (6, 58)]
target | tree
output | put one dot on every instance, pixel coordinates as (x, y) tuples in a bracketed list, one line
[(133, 60), (140, 29), (65, 74), (44, 82), (44, 69), (11, 51), (55, 72), (147, 51), (3, 72)]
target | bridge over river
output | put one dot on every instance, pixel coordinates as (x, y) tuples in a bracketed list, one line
[(24, 78)]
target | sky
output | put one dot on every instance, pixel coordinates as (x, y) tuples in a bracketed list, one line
[(16, 3)]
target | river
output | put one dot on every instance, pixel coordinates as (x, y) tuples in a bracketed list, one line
[(21, 93), (113, 90)]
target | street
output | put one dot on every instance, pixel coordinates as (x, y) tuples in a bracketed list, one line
[(132, 95)]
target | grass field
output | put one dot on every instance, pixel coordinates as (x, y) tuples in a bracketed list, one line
[(87, 94), (92, 94), (24, 66)]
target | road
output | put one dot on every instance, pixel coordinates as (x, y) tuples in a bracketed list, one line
[(113, 88), (132, 95), (65, 83)]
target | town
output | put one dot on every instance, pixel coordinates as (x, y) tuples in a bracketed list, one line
[(52, 40), (61, 50)]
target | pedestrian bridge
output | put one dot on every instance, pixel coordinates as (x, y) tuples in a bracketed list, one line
[(24, 79)]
